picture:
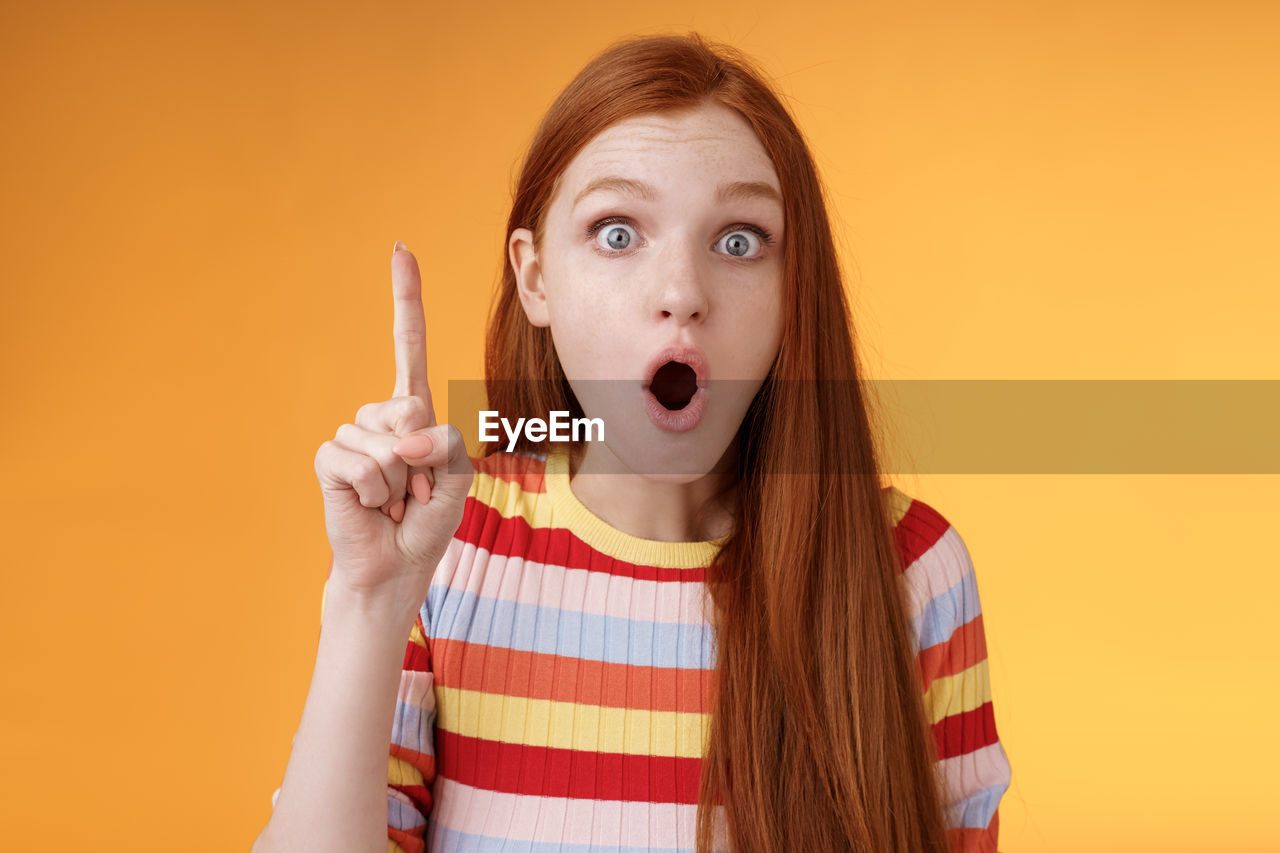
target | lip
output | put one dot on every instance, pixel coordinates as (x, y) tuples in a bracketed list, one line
[(690, 416), (680, 420), (684, 354)]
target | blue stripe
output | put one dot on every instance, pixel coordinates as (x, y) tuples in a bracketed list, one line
[(946, 612), (414, 729), (976, 810), (571, 633), (452, 841), (402, 815)]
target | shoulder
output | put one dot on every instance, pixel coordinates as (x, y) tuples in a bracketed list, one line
[(507, 487), (504, 470), (918, 528), (504, 463), (937, 569)]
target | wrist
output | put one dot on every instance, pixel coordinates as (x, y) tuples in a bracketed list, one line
[(384, 605)]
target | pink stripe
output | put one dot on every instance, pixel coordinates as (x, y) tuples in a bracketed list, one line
[(461, 567), (975, 770), (522, 817), (548, 585), (937, 570)]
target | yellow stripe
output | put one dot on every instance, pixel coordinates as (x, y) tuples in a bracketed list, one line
[(899, 503), (416, 636), (569, 725), (954, 694), (401, 772), (510, 500)]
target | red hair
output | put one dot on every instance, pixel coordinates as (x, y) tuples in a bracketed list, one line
[(818, 737)]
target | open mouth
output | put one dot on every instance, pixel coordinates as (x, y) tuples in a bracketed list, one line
[(674, 385)]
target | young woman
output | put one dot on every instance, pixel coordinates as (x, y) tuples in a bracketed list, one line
[(710, 628)]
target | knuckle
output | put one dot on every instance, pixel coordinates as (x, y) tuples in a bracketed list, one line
[(387, 458), (409, 335), (366, 470), (368, 414), (417, 405), (408, 406)]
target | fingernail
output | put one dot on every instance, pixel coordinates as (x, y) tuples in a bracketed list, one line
[(397, 511), (413, 447), (399, 247), (421, 491)]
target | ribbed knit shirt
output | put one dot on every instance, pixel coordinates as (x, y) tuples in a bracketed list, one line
[(555, 693)]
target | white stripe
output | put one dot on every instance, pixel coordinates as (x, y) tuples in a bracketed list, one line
[(569, 820), (937, 570)]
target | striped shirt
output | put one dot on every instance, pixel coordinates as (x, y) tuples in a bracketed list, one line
[(555, 688)]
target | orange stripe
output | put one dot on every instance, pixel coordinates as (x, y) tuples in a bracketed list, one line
[(964, 648), (492, 669), (972, 840), (425, 762), (406, 843)]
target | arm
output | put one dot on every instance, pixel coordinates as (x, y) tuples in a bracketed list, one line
[(334, 793), (952, 656)]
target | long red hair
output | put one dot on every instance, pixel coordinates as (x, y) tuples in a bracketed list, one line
[(818, 737)]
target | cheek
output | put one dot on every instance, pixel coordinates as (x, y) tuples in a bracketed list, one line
[(589, 334), (591, 297), (761, 305), (762, 320)]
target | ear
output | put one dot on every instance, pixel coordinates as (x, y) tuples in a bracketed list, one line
[(529, 283)]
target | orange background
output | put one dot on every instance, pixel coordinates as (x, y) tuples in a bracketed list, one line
[(200, 201)]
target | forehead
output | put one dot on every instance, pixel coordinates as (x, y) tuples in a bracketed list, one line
[(711, 138)]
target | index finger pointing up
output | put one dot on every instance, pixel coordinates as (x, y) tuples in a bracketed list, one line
[(410, 328)]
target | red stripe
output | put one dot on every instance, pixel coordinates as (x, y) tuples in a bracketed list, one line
[(419, 795), (485, 527), (508, 672), (418, 658), (966, 732), (548, 772), (918, 531)]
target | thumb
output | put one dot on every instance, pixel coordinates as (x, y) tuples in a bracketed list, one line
[(437, 451), (428, 527), (450, 463)]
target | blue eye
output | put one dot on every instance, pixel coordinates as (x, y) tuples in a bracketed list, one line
[(615, 234), (618, 236), (738, 246)]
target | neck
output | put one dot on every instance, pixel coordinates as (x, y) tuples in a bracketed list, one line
[(651, 508)]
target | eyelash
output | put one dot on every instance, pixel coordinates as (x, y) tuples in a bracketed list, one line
[(765, 236)]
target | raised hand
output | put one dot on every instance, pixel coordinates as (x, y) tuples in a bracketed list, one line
[(394, 482)]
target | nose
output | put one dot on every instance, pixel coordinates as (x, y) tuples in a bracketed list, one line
[(682, 288)]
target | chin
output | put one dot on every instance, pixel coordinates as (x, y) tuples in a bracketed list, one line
[(641, 446), (666, 459)]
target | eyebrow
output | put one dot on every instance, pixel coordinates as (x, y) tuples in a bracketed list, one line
[(735, 191)]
